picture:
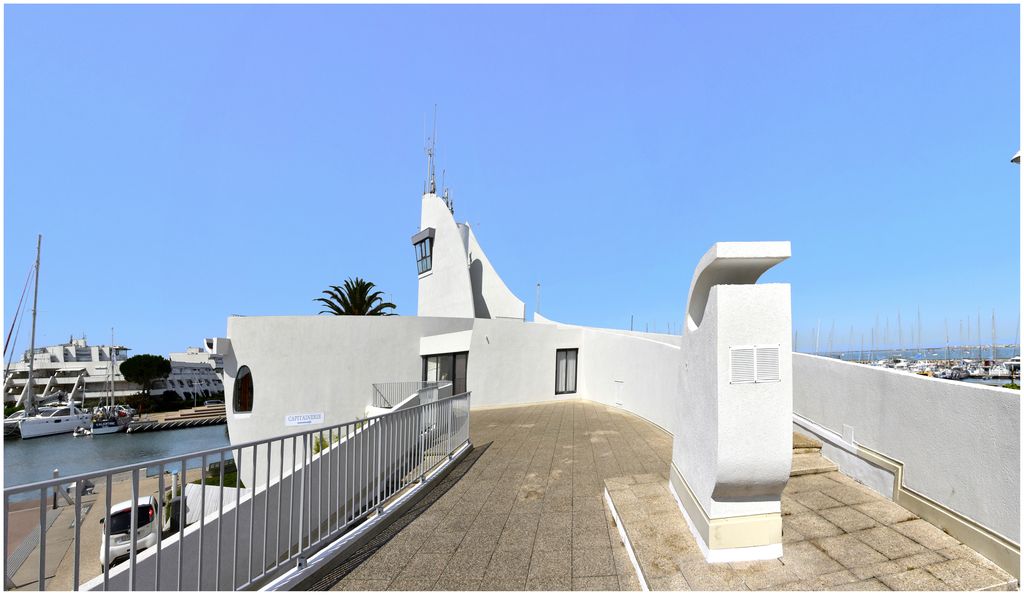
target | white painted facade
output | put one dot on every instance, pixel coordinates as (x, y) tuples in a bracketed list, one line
[(959, 442), (732, 444)]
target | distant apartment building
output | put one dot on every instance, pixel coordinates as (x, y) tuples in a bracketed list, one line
[(56, 369)]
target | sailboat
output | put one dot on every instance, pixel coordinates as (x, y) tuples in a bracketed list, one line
[(109, 419), (37, 421)]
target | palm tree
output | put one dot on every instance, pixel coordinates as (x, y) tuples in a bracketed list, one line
[(356, 298)]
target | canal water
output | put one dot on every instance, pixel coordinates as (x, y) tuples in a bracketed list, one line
[(26, 461)]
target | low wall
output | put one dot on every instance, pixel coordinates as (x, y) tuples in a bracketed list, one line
[(959, 443)]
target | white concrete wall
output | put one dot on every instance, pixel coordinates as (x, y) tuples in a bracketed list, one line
[(628, 370), (491, 297), (446, 289), (320, 364), (959, 442), (512, 362), (327, 364)]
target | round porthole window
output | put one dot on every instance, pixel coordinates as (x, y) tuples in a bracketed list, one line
[(243, 391)]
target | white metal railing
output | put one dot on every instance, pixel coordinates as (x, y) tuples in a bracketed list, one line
[(385, 395), (293, 495)]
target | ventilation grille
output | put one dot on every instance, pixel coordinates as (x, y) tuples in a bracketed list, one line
[(742, 359), (754, 363)]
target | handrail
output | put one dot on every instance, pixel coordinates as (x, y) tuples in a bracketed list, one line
[(386, 395), (320, 482)]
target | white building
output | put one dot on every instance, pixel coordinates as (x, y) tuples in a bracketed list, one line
[(472, 330), (730, 391), (197, 355), (56, 368)]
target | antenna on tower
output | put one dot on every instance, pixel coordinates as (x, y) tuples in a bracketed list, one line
[(430, 150)]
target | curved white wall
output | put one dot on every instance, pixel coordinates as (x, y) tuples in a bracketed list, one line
[(491, 297), (314, 364), (959, 442), (445, 290)]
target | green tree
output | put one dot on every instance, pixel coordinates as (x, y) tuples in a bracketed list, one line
[(144, 369), (355, 298)]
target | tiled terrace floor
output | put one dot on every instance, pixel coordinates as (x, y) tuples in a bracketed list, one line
[(530, 515)]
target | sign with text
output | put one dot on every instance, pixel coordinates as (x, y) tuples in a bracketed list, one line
[(303, 419)]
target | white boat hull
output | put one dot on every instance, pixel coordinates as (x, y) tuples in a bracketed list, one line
[(35, 427)]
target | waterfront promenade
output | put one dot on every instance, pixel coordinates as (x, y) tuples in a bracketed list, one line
[(530, 515)]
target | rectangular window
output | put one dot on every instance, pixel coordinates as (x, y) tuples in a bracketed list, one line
[(565, 371), (447, 366), (423, 255)]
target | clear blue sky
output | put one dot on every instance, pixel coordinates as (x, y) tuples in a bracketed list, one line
[(186, 163)]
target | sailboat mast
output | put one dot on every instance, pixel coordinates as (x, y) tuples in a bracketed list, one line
[(110, 398), (30, 399)]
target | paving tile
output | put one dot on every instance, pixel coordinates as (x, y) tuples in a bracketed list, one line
[(811, 525), (560, 540), (443, 542), (467, 563), (790, 534), (888, 542), (914, 580), (590, 537), (456, 584), (503, 584), (591, 561), (425, 565), (885, 512), (791, 506), (961, 575), (850, 551), (774, 579), (419, 583), (926, 534), (676, 582), (965, 553), (595, 583), (549, 583), (755, 565), (512, 563), (851, 494), (896, 566), (815, 500), (823, 582), (808, 561), (702, 576), (848, 519), (803, 483), (361, 585), (871, 584), (551, 563)]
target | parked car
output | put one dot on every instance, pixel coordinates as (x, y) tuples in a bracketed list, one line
[(146, 530)]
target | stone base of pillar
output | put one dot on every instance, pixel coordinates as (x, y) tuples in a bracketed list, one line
[(728, 539)]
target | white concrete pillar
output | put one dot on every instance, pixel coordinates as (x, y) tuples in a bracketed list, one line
[(732, 446)]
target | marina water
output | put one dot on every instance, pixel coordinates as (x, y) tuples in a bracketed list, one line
[(26, 461)]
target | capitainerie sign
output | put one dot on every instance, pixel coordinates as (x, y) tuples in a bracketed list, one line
[(303, 419)]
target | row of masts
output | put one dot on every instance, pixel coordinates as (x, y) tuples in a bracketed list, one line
[(880, 342)]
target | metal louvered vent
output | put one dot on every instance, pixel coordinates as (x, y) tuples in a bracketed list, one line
[(742, 367), (767, 363), (754, 364)]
